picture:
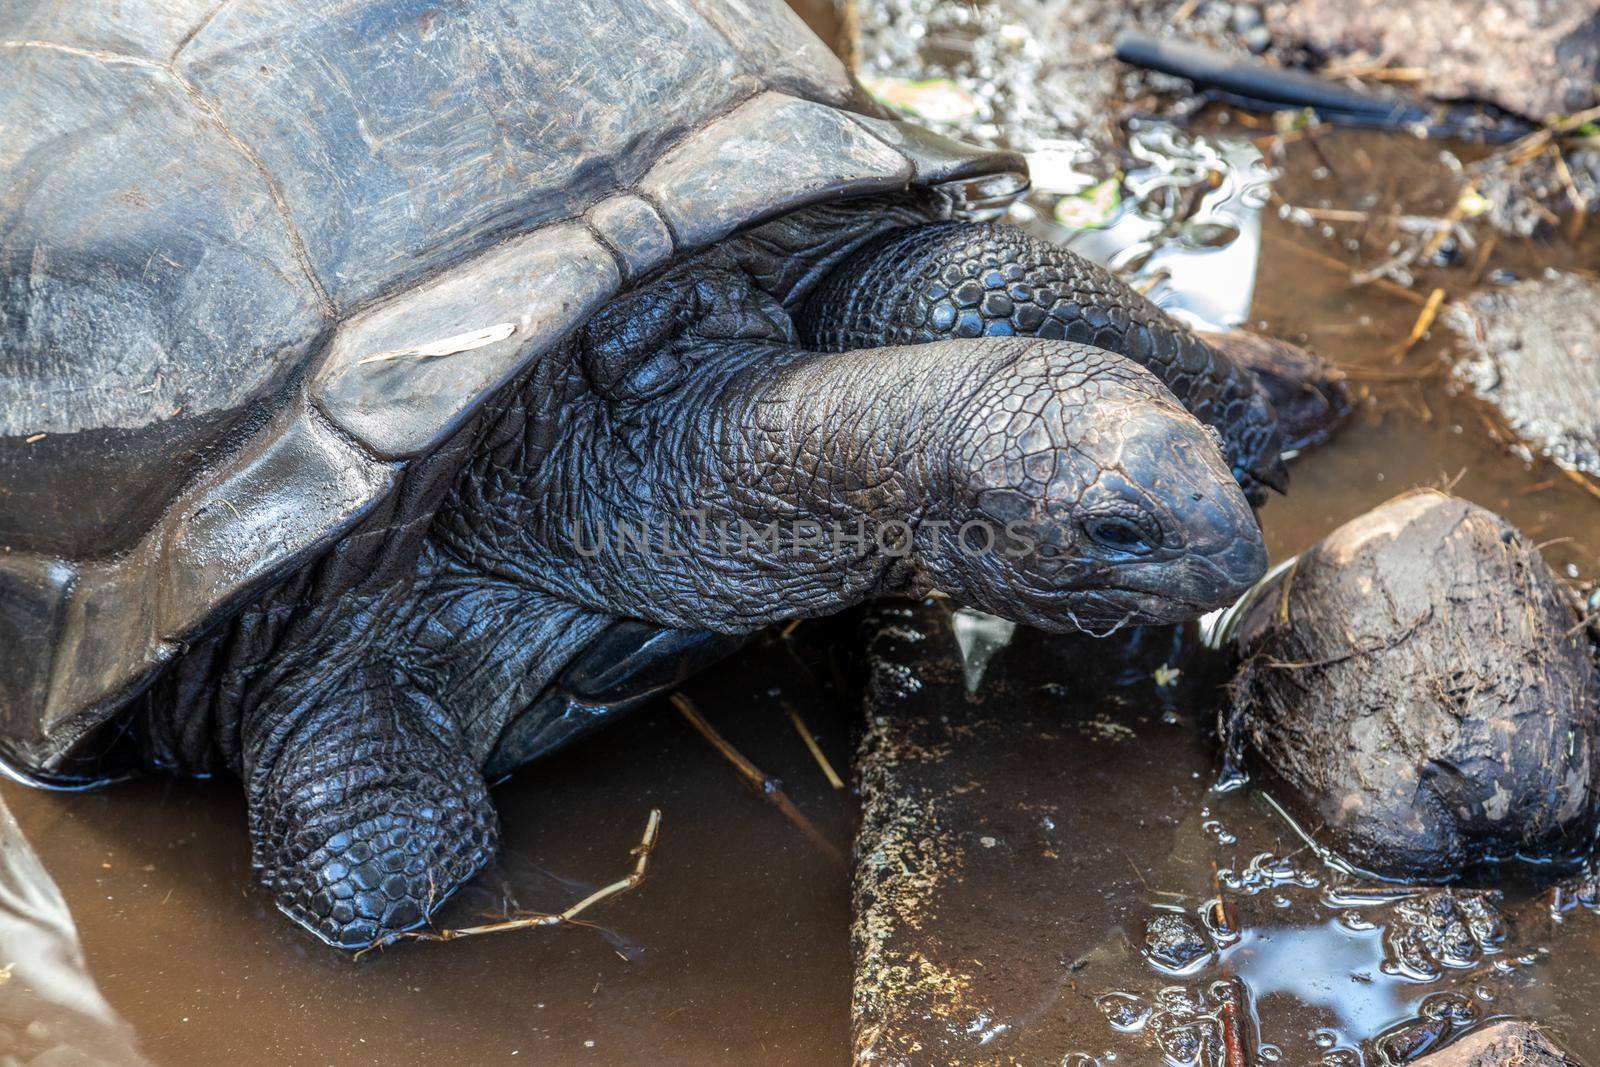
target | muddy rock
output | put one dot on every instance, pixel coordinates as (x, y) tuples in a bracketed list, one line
[(1534, 354), (1175, 941), (1508, 1043), (1419, 684), (1538, 58), (1444, 928)]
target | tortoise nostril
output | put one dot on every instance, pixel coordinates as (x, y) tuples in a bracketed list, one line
[(1245, 561)]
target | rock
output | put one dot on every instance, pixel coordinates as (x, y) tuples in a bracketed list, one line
[(1440, 1016), (1538, 58), (1441, 929), (1534, 354), (1419, 682), (1174, 940), (1508, 1043)]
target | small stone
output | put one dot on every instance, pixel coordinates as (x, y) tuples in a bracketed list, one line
[(1244, 18), (1258, 40), (1174, 940), (1509, 1043)]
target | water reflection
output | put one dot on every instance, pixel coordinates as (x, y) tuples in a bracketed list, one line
[(1328, 966)]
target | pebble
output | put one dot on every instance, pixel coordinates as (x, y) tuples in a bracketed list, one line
[(1172, 939)]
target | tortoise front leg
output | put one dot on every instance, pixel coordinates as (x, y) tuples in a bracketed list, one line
[(366, 810), (964, 279)]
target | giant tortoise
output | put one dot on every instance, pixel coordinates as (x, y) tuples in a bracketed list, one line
[(381, 382)]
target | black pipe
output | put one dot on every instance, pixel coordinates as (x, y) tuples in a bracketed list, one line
[(1256, 86)]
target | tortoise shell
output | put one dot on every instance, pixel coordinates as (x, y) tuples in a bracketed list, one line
[(256, 257)]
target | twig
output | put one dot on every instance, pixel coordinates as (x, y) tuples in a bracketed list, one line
[(1425, 318), (1182, 14), (811, 744), (1485, 250), (1390, 287), (1452, 219), (1223, 915), (1574, 197), (1379, 374), (1583, 623), (1335, 214), (1576, 119), (1376, 894), (1237, 1040), (642, 850), (1366, 65), (1582, 480), (1524, 149), (765, 786), (1374, 72)]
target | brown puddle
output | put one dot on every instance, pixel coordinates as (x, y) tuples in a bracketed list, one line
[(735, 950)]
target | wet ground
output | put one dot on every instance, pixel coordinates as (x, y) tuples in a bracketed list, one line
[(736, 948), (1060, 882)]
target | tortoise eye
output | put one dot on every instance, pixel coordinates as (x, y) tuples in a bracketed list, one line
[(1119, 535)]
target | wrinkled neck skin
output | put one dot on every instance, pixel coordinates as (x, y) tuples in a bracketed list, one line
[(443, 574), (704, 513)]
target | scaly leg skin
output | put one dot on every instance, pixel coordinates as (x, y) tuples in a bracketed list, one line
[(366, 812), (962, 279)]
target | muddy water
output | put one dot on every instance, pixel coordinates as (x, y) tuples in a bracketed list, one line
[(1412, 426), (735, 949), (1318, 960)]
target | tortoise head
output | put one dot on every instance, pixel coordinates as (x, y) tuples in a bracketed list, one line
[(1085, 497)]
